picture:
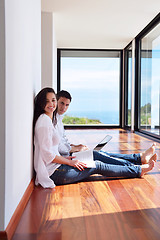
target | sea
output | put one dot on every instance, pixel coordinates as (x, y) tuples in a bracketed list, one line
[(105, 117)]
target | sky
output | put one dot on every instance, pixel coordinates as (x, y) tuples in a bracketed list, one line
[(92, 82)]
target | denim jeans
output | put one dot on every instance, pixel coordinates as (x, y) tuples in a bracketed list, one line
[(107, 164)]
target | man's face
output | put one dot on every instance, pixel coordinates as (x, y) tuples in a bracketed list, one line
[(63, 104)]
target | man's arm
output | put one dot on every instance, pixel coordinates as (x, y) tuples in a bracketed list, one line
[(78, 148), (72, 147), (65, 148)]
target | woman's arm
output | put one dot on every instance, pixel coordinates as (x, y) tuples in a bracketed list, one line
[(70, 161)]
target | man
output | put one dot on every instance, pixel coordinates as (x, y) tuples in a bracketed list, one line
[(65, 148)]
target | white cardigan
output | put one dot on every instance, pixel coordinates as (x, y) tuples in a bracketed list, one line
[(46, 141)]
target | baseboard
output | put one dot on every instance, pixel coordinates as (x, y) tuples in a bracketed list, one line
[(10, 229)]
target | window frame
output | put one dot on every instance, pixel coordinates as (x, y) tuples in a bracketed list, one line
[(59, 50), (126, 126), (138, 39)]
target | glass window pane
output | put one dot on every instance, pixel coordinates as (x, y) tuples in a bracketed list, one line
[(94, 83), (150, 81)]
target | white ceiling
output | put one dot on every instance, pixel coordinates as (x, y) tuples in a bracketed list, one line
[(99, 24)]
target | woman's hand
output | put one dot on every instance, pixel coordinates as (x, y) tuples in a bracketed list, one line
[(70, 161), (76, 163)]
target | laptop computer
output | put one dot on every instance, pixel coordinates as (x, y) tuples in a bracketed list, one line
[(102, 143), (87, 156)]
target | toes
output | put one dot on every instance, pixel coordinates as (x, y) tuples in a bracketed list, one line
[(154, 146), (155, 157)]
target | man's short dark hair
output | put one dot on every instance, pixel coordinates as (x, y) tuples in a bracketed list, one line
[(65, 94)]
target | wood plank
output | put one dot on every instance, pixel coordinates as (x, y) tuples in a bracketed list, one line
[(142, 193), (121, 195)]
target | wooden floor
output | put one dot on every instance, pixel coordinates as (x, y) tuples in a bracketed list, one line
[(98, 208)]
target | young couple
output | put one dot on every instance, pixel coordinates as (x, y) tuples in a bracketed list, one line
[(52, 162)]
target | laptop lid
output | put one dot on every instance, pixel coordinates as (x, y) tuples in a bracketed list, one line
[(102, 143)]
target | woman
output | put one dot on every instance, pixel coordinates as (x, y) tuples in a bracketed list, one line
[(51, 168)]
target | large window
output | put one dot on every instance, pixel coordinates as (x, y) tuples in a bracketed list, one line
[(150, 81), (93, 79), (128, 84)]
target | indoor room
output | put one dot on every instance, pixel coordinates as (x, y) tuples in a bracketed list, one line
[(106, 55)]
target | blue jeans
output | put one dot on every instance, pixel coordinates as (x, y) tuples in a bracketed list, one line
[(107, 164)]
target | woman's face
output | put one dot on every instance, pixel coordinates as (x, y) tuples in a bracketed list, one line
[(51, 104)]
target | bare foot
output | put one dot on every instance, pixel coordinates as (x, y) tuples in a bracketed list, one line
[(145, 156), (153, 158), (149, 166)]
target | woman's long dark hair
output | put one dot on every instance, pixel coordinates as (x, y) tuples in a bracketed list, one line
[(40, 103)]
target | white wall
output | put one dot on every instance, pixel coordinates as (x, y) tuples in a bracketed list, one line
[(2, 113), (49, 51), (22, 82), (54, 54)]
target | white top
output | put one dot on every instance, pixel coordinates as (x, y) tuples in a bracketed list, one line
[(46, 141), (64, 145)]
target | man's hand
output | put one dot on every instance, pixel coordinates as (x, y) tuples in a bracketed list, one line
[(78, 148)]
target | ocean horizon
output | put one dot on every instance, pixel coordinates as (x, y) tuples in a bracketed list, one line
[(105, 117)]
